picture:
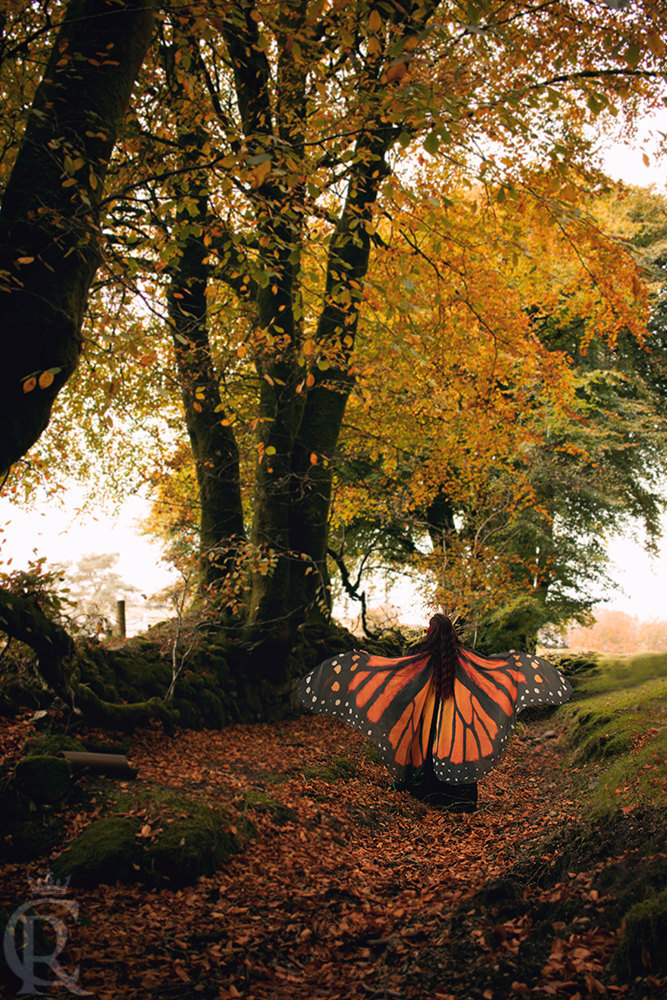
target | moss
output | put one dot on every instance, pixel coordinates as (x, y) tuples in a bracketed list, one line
[(107, 851), (121, 747), (635, 779), (575, 664), (373, 754), (188, 847), (607, 742), (43, 780), (188, 839), (338, 768), (260, 802), (50, 745), (31, 837), (623, 673), (390, 643), (643, 935)]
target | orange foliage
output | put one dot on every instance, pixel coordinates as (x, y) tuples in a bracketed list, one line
[(618, 632)]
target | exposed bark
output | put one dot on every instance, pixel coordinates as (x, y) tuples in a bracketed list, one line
[(102, 763), (293, 495), (313, 459), (49, 220), (279, 213), (213, 444)]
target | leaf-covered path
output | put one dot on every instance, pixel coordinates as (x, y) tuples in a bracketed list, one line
[(347, 888)]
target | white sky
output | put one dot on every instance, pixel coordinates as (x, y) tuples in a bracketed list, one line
[(63, 536), (623, 162)]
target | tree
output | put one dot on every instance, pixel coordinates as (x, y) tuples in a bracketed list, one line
[(49, 219), (498, 491)]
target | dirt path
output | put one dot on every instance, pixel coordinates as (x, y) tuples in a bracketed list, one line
[(349, 889)]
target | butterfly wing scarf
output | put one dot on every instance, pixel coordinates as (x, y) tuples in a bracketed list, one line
[(397, 705)]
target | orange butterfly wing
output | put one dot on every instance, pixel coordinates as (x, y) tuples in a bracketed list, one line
[(396, 704), (474, 725), (391, 701)]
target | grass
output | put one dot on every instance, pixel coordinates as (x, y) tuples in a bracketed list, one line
[(617, 723)]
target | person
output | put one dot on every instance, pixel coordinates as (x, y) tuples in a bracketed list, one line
[(440, 716)]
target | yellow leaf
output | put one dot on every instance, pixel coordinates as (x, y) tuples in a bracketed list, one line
[(45, 380), (375, 21), (197, 406), (24, 260), (29, 384), (259, 174), (655, 43)]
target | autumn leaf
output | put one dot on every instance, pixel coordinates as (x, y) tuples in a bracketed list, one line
[(259, 174), (375, 20)]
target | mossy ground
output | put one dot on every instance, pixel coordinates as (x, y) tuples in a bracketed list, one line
[(617, 722)]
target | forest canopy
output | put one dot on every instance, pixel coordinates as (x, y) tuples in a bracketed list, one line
[(339, 282)]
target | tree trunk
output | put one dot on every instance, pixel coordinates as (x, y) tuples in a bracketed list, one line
[(300, 419), (23, 619), (214, 447), (312, 460), (49, 220)]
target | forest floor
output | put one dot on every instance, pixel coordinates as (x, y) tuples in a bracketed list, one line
[(348, 889)]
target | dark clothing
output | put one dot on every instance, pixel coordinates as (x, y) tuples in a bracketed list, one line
[(427, 788)]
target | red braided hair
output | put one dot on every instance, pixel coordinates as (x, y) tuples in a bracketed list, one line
[(442, 643)]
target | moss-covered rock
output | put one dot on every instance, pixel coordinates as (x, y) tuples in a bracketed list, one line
[(643, 935), (43, 779), (187, 848), (107, 851), (50, 745), (175, 842)]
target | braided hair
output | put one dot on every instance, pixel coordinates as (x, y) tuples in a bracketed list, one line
[(442, 643)]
